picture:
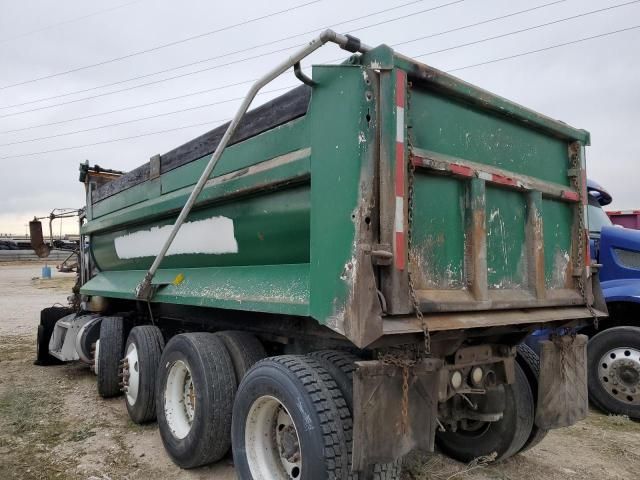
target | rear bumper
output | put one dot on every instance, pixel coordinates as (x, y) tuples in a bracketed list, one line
[(484, 319)]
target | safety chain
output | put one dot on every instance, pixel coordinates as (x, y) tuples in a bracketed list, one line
[(578, 185), (410, 356), (412, 287)]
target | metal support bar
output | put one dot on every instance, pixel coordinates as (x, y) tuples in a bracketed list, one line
[(144, 290)]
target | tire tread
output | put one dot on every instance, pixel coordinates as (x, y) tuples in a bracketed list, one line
[(111, 352)]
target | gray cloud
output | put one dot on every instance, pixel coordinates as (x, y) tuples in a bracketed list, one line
[(592, 85)]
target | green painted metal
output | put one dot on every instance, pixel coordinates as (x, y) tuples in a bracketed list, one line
[(307, 202), (437, 251), (272, 289), (340, 148), (456, 88), (506, 259), (449, 126)]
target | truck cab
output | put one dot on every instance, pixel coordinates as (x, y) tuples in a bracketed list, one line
[(614, 349)]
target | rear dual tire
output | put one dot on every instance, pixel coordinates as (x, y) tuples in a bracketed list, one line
[(196, 384), (142, 354), (341, 366), (109, 352), (195, 392), (506, 437), (290, 421)]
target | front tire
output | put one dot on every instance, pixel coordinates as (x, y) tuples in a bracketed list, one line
[(142, 357), (195, 391), (290, 421), (108, 356), (506, 437), (613, 365)]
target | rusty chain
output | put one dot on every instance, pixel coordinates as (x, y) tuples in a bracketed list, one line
[(409, 356), (579, 185), (412, 287)]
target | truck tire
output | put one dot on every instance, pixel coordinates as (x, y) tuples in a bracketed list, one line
[(505, 438), (142, 353), (108, 356), (245, 350), (290, 421), (613, 366), (196, 387), (341, 365), (48, 318), (530, 364)]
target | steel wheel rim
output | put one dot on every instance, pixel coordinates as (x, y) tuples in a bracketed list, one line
[(133, 374), (619, 374), (96, 356), (179, 400), (272, 442)]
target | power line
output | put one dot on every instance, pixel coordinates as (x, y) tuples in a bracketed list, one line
[(496, 60), (159, 47), (217, 57), (71, 20), (242, 60), (530, 52), (130, 107), (400, 43), (74, 147), (470, 25), (368, 26), (534, 27), (197, 107)]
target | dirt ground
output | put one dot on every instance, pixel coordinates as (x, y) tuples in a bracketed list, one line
[(53, 425)]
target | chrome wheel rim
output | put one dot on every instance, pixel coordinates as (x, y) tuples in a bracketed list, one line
[(133, 374), (272, 442), (180, 400), (619, 374)]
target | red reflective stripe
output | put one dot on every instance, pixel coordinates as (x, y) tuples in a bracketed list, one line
[(400, 94), (400, 170), (569, 195), (503, 180), (461, 170), (400, 248)]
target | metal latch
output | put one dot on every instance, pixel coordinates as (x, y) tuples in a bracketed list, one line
[(380, 253)]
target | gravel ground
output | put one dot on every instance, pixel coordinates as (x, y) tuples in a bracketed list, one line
[(53, 425)]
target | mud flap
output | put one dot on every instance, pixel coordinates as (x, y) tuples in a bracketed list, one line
[(562, 390), (380, 433)]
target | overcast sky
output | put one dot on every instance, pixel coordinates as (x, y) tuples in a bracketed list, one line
[(592, 84)]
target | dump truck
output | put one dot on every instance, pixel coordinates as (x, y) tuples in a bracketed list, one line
[(342, 275)]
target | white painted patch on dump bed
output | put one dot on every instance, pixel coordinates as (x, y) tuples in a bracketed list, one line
[(214, 236)]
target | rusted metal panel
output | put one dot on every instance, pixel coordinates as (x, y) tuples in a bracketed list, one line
[(535, 245), (448, 165), (562, 387), (383, 431), (393, 188), (438, 322), (476, 232)]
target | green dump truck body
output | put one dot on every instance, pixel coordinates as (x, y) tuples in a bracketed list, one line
[(336, 201)]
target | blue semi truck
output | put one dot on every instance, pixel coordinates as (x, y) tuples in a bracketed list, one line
[(614, 347)]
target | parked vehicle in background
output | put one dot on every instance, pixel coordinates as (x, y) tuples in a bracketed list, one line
[(625, 218), (614, 348), (352, 283)]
